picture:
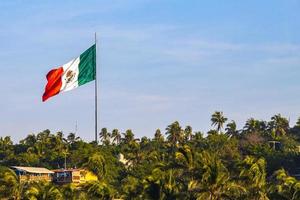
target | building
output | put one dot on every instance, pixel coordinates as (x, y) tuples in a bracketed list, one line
[(63, 176), (33, 173), (126, 162)]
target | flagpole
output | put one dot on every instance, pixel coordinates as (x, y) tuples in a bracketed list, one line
[(96, 95)]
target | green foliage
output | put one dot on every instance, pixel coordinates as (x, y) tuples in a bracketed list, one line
[(218, 120), (240, 164), (96, 164), (10, 185), (286, 187), (43, 191), (97, 190)]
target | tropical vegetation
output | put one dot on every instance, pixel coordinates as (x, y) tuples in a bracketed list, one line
[(258, 161)]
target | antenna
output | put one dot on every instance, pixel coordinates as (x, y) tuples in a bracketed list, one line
[(76, 127)]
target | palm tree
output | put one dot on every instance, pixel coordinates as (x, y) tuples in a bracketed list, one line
[(43, 191), (116, 136), (218, 120), (71, 138), (96, 164), (57, 142), (254, 126), (134, 154), (188, 160), (131, 148), (10, 184), (44, 136), (286, 187), (231, 129), (131, 188), (6, 148), (98, 190), (162, 184), (71, 192), (253, 173), (30, 140), (185, 157), (144, 142), (128, 137), (158, 136), (43, 143), (215, 182), (188, 133), (174, 133), (279, 125), (5, 143), (198, 139), (155, 157), (104, 136), (59, 135)]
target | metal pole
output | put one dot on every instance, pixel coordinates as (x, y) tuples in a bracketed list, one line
[(65, 160), (96, 108)]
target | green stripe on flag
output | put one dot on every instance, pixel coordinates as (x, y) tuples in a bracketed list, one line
[(87, 66)]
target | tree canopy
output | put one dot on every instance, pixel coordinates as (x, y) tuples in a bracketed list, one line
[(258, 161)]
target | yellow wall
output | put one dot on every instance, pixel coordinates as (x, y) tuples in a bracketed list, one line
[(87, 176), (90, 176)]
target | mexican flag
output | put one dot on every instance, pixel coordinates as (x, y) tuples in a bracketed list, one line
[(71, 75)]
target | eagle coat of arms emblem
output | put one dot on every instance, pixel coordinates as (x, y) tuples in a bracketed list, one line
[(70, 75)]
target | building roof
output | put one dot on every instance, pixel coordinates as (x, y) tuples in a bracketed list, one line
[(36, 170), (67, 170)]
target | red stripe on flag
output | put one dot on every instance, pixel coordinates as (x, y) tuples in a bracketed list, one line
[(54, 83)]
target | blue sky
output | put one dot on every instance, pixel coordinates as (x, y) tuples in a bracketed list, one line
[(159, 61)]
